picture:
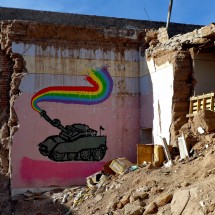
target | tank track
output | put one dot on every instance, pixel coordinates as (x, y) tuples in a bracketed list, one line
[(91, 154)]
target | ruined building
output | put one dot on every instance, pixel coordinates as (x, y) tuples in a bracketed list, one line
[(89, 89)]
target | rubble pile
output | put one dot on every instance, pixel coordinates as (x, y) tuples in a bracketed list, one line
[(202, 36), (183, 188), (199, 132), (182, 184)]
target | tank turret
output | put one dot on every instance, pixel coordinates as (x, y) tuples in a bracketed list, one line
[(75, 142)]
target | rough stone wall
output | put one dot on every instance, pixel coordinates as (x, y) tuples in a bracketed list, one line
[(11, 72), (183, 87), (5, 75), (179, 51), (5, 78)]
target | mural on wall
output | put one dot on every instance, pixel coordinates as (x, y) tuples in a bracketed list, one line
[(76, 142)]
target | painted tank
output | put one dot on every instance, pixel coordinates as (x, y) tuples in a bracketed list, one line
[(76, 142)]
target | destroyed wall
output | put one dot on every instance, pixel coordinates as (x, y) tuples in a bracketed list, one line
[(156, 93), (192, 58), (5, 75), (59, 56), (11, 71), (5, 78)]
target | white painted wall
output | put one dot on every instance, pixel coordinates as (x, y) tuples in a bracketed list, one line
[(162, 88)]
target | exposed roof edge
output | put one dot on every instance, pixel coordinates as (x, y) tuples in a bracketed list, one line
[(88, 20)]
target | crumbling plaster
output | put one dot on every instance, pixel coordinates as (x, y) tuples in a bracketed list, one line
[(180, 51), (57, 57), (11, 82), (12, 70), (167, 61), (162, 88)]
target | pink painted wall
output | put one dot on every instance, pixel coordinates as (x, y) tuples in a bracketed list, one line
[(119, 115), (30, 168)]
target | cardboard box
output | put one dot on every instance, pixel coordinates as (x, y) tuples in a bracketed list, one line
[(107, 170), (119, 165)]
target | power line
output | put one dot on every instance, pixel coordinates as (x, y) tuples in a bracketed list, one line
[(147, 14)]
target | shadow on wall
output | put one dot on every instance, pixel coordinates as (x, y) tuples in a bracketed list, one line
[(146, 104), (5, 199)]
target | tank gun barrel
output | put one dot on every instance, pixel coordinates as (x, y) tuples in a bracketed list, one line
[(55, 122)]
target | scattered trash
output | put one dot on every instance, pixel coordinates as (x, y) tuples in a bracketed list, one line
[(169, 162), (96, 180), (119, 165), (183, 147), (107, 170), (79, 197), (64, 198), (200, 130), (134, 167), (131, 169), (144, 164)]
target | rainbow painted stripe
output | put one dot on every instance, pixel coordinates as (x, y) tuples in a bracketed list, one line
[(102, 85)]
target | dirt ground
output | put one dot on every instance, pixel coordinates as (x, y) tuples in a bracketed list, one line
[(185, 188), (198, 172)]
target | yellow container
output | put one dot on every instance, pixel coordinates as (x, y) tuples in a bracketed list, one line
[(145, 153), (159, 156)]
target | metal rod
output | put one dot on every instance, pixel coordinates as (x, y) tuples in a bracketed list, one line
[(169, 14)]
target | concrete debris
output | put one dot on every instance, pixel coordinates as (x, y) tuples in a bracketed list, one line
[(125, 199), (183, 147), (152, 208), (196, 37), (133, 209), (164, 199), (123, 187), (200, 130), (206, 120), (137, 192)]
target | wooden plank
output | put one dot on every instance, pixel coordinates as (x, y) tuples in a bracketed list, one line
[(191, 107), (198, 105), (212, 103), (204, 104), (202, 96), (190, 115)]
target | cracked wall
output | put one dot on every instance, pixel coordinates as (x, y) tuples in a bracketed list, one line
[(192, 58), (60, 56), (11, 72)]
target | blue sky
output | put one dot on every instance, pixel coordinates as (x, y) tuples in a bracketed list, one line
[(184, 11)]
